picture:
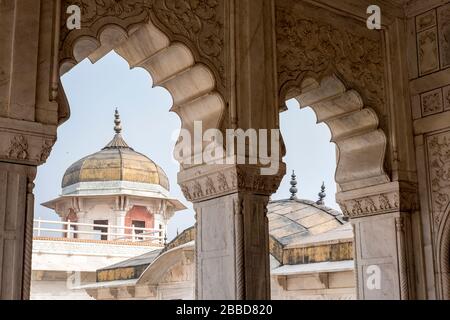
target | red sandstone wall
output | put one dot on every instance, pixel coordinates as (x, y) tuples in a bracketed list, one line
[(140, 214)]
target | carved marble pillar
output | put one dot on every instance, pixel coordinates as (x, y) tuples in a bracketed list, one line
[(30, 112), (232, 245), (382, 217), (16, 229)]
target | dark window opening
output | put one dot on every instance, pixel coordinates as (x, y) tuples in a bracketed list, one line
[(103, 230), (138, 224)]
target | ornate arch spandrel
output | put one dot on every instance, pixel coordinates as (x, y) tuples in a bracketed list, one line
[(339, 72), (199, 25)]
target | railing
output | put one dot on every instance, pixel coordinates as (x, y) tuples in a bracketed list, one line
[(86, 231)]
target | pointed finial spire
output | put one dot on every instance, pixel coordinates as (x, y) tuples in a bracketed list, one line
[(117, 122), (322, 195), (293, 190)]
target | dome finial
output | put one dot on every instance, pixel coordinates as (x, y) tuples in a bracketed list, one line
[(293, 190), (117, 122), (322, 195)]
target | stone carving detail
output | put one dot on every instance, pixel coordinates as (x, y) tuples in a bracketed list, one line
[(238, 205), (426, 21), (197, 190), (227, 181), (46, 150), (403, 263), (186, 191), (379, 204), (428, 51), (200, 22), (309, 47), (18, 148), (447, 98), (439, 171), (222, 182), (385, 203), (210, 188), (93, 10), (444, 36), (432, 102)]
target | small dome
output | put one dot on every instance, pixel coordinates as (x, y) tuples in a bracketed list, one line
[(294, 222), (116, 162)]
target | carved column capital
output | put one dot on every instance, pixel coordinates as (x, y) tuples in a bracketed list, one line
[(381, 199), (24, 142), (212, 181)]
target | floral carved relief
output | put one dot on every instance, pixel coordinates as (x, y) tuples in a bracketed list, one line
[(197, 23), (18, 148), (229, 180), (426, 20), (439, 171), (46, 150), (428, 51), (444, 36), (306, 46), (404, 200), (432, 102), (447, 98), (201, 21)]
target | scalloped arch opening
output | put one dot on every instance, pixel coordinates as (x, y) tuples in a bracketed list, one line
[(361, 145), (171, 65)]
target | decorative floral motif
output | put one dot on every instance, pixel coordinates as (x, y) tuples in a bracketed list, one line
[(46, 149), (444, 35), (202, 187), (210, 189), (439, 162), (370, 205), (18, 148), (380, 204), (92, 10), (432, 102), (222, 182), (306, 46), (199, 21), (384, 202), (428, 51), (186, 192), (198, 192)]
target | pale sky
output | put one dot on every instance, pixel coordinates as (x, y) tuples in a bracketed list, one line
[(94, 91)]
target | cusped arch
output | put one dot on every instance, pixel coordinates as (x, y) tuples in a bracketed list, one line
[(172, 65), (443, 254), (354, 129)]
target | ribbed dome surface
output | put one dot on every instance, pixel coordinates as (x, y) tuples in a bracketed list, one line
[(116, 162)]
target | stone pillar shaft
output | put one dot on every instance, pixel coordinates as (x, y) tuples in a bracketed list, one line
[(16, 229), (381, 216), (233, 248), (232, 239)]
